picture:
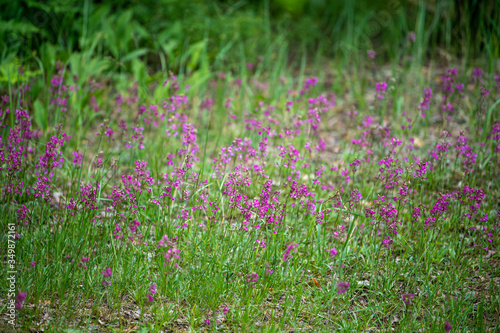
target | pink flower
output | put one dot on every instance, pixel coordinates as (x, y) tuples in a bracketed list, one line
[(342, 287), (107, 272), (333, 252), (77, 158), (20, 298), (224, 308), (207, 320), (152, 289), (252, 277), (411, 36), (291, 247), (407, 298), (32, 264), (380, 88)]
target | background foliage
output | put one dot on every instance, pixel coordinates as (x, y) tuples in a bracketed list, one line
[(162, 31)]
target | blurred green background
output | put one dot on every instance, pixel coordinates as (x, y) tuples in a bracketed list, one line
[(178, 34)]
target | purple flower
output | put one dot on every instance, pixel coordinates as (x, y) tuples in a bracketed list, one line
[(387, 242), (484, 92), (477, 73), (291, 247), (380, 88), (207, 320), (107, 272), (23, 215), (333, 252), (152, 289), (269, 271), (224, 308), (407, 298), (77, 158), (342, 287), (20, 298), (447, 327), (32, 264), (424, 105), (371, 54), (252, 277), (411, 36), (356, 196)]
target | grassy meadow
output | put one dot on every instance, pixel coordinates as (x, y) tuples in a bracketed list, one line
[(250, 166)]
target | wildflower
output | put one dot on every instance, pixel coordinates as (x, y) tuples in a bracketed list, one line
[(424, 105), (342, 287), (356, 196), (261, 243), (407, 298), (291, 247), (20, 298), (77, 158), (333, 252), (224, 308), (152, 289), (380, 88), (23, 215), (371, 54), (484, 92), (477, 73), (411, 36), (449, 80), (387, 242), (207, 320), (252, 277), (32, 264), (83, 260), (447, 327), (106, 273)]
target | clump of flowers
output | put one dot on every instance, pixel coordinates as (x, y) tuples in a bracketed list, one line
[(152, 291), (252, 279), (380, 89), (333, 252), (288, 252), (107, 273), (170, 247), (20, 298), (407, 298), (342, 287)]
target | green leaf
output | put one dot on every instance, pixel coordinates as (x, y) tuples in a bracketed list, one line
[(40, 115), (134, 54)]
